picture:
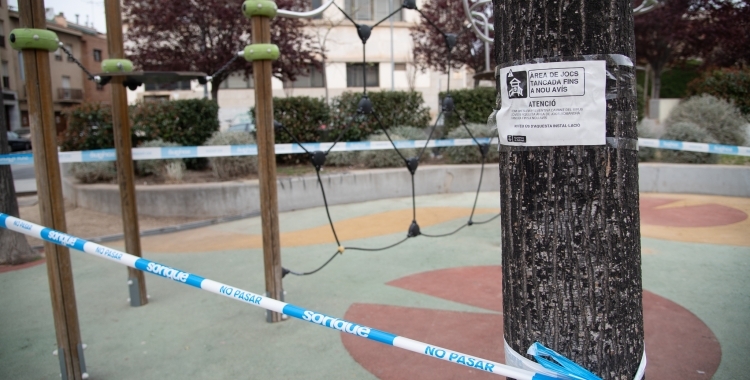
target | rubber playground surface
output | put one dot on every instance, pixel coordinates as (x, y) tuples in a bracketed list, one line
[(443, 291)]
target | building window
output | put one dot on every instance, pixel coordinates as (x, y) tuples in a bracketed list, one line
[(20, 67), (181, 85), (355, 76), (237, 80), (6, 75), (374, 10), (399, 67), (70, 49), (315, 4), (311, 79), (2, 34), (97, 55), (58, 55)]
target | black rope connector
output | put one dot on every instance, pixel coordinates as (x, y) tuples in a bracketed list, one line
[(364, 32), (284, 272), (451, 39), (410, 4), (484, 149), (131, 83), (412, 165), (365, 106), (413, 229), (318, 158), (448, 104), (277, 126), (470, 222)]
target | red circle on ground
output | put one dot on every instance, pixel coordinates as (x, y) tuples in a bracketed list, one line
[(678, 344), (705, 215)]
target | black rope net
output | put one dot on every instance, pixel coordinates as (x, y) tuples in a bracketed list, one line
[(365, 108)]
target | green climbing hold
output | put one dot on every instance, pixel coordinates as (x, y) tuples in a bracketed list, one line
[(117, 66), (260, 52), (265, 8), (41, 39)]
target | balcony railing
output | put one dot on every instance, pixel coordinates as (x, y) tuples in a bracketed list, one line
[(70, 94)]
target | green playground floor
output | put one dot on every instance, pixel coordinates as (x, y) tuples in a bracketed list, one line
[(697, 271)]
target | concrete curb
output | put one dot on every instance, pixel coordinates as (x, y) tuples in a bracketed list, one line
[(728, 180), (212, 200), (217, 200)]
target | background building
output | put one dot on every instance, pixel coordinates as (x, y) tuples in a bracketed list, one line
[(343, 66), (70, 85)]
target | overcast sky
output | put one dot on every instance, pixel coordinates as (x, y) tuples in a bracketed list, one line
[(93, 9)]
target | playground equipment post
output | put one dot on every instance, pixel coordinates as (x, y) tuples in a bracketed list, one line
[(269, 208), (49, 189), (571, 249), (123, 147)]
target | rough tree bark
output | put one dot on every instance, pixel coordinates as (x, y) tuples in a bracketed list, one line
[(14, 248), (570, 219)]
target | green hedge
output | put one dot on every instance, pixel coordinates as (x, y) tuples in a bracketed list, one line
[(393, 108), (728, 84), (186, 122), (474, 104), (305, 117), (89, 127)]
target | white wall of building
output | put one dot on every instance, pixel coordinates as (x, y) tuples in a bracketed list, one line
[(343, 46)]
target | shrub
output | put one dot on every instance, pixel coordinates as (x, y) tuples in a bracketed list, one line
[(409, 133), (720, 118), (728, 84), (687, 131), (235, 166), (171, 169), (342, 158), (393, 108), (385, 158), (186, 122), (474, 105), (305, 117), (646, 129), (91, 172), (89, 127), (471, 154)]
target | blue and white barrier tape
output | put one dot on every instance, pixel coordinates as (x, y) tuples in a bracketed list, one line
[(235, 150), (60, 238), (695, 147), (252, 150)]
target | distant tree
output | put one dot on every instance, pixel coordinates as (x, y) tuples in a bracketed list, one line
[(178, 35), (717, 32), (723, 33), (430, 50), (661, 37)]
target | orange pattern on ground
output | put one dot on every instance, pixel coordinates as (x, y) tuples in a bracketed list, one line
[(384, 223), (735, 232)]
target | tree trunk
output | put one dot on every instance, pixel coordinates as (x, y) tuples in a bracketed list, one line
[(14, 248), (215, 90), (656, 86), (570, 221)]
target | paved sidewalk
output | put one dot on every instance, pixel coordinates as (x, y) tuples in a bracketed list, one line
[(696, 256)]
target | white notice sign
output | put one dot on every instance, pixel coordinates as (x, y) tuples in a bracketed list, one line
[(559, 103)]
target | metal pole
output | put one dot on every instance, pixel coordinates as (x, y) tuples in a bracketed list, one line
[(269, 208), (123, 147), (49, 190)]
